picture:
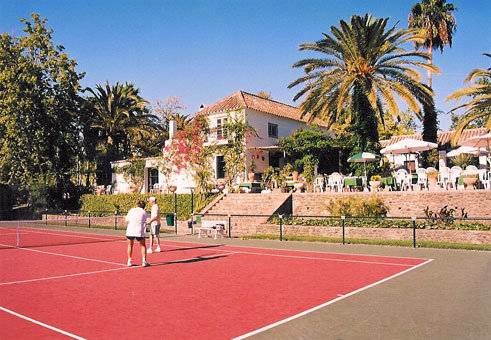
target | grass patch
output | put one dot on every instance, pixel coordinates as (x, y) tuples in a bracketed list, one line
[(399, 243)]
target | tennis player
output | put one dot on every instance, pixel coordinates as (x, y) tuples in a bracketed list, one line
[(137, 218), (154, 225)]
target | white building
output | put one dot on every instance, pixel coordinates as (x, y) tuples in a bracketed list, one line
[(271, 120)]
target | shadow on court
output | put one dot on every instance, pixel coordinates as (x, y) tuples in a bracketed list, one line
[(197, 247), (195, 259)]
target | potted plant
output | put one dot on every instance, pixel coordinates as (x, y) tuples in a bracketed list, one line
[(268, 177), (287, 170), (470, 179), (432, 175), (375, 182), (252, 170)]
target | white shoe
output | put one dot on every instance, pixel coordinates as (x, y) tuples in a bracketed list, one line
[(145, 264), (149, 250), (157, 250), (129, 264)]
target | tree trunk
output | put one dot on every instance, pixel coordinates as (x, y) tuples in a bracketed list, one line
[(430, 74), (365, 122)]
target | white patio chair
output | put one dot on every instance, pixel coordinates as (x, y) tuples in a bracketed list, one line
[(335, 182), (444, 177), (422, 178), (402, 180), (483, 178), (455, 173), (319, 183)]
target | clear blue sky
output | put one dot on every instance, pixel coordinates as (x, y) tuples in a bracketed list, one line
[(203, 50)]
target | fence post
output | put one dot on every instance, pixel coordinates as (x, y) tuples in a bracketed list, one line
[(281, 227), (229, 226), (342, 226), (89, 219), (175, 222), (414, 231), (66, 218), (46, 216), (116, 220)]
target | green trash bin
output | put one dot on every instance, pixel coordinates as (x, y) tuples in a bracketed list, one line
[(169, 218)]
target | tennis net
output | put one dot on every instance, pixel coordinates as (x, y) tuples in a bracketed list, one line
[(39, 233)]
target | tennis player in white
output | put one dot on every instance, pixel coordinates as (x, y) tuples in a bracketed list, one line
[(137, 218), (154, 225)]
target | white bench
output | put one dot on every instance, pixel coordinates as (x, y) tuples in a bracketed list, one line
[(212, 228)]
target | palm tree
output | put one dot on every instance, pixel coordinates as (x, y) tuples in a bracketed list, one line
[(119, 115), (364, 68), (435, 20), (478, 108)]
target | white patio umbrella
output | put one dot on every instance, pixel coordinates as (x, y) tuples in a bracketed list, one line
[(482, 141), (408, 146), (467, 150), (363, 157)]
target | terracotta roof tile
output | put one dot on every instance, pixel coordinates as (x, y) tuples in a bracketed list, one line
[(444, 137), (243, 100)]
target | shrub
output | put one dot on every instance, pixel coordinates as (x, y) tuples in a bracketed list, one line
[(108, 204), (357, 207)]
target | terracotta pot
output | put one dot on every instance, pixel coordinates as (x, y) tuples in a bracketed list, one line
[(374, 185), (250, 176), (469, 181), (295, 175)]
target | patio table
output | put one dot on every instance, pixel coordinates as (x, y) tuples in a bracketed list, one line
[(388, 181), (352, 182)]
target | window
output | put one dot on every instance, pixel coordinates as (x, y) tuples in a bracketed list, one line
[(220, 165), (153, 177), (221, 132), (272, 130)]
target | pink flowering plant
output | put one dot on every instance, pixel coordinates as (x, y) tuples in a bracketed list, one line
[(186, 151)]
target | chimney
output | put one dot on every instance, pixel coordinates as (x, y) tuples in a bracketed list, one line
[(172, 129), (201, 107)]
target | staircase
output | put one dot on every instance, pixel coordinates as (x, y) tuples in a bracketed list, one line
[(263, 205)]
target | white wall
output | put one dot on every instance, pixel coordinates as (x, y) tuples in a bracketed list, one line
[(259, 121)]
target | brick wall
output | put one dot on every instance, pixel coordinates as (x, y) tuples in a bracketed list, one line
[(477, 203), (451, 236)]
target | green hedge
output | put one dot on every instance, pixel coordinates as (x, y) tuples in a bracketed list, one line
[(6, 201), (100, 205)]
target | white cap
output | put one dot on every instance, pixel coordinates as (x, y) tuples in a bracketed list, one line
[(152, 199)]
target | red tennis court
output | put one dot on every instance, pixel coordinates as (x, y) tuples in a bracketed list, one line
[(82, 288)]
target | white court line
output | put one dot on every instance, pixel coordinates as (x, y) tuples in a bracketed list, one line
[(301, 251), (108, 270), (310, 258), (64, 276), (325, 259), (62, 255), (65, 234), (41, 324), (265, 328)]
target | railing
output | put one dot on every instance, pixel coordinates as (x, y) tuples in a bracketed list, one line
[(409, 231)]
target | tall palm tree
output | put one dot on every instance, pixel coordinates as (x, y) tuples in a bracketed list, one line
[(479, 106), (119, 115), (363, 68), (435, 20)]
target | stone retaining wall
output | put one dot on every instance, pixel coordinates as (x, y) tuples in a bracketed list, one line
[(450, 236), (477, 203)]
